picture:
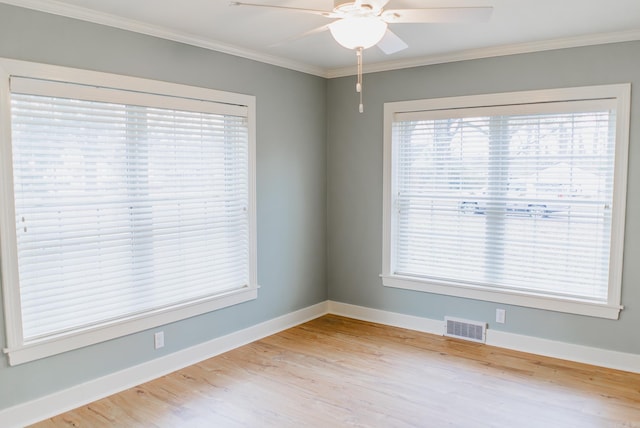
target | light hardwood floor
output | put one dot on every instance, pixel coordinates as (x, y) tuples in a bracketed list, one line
[(339, 372)]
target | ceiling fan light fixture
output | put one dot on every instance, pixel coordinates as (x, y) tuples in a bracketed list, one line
[(358, 32)]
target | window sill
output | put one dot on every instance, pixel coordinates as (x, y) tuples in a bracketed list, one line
[(510, 297), (66, 342)]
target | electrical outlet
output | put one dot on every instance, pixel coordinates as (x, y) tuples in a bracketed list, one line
[(500, 316), (158, 339)]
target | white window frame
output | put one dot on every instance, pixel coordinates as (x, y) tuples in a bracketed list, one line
[(18, 351), (621, 94)]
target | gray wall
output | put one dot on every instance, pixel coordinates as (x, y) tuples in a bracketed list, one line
[(354, 186), (291, 171)]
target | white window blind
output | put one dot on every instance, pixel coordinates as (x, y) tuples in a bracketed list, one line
[(126, 204), (517, 199)]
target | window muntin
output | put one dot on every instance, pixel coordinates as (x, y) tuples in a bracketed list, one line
[(496, 202), (132, 209)]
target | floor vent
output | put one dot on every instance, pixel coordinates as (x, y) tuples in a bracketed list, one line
[(465, 329)]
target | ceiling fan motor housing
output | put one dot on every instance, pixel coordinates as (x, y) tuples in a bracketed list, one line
[(355, 7)]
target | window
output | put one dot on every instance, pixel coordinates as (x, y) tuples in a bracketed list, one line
[(515, 198), (127, 206)]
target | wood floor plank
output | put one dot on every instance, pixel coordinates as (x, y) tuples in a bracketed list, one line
[(335, 372)]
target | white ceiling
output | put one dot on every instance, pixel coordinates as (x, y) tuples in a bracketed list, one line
[(270, 35)]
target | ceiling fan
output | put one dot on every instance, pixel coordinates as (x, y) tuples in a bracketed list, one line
[(361, 24)]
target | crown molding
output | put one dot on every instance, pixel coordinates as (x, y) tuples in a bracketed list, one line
[(512, 49), (59, 8)]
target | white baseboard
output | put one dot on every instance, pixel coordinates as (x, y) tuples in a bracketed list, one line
[(426, 325), (517, 342), (565, 351), (79, 395)]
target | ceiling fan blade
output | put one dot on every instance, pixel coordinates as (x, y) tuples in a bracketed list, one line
[(391, 43), (437, 15), (300, 36), (325, 13)]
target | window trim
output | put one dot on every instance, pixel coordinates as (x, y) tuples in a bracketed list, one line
[(19, 352), (621, 93)]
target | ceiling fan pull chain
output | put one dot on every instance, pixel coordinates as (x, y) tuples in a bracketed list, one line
[(359, 79)]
